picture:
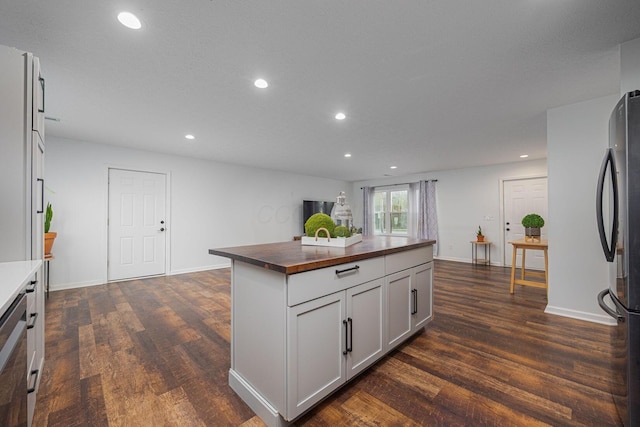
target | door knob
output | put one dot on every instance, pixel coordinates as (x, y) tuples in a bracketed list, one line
[(162, 229), (162, 222), (507, 223)]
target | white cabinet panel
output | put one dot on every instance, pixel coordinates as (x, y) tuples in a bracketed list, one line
[(399, 297), (365, 325), (409, 302), (316, 283), (315, 351), (423, 294)]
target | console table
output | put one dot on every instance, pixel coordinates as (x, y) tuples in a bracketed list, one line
[(487, 252)]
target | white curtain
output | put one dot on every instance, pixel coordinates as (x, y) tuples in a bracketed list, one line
[(427, 213), (367, 210)]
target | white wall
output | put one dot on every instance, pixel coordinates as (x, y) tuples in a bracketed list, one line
[(464, 197), (577, 136), (630, 66), (211, 205)]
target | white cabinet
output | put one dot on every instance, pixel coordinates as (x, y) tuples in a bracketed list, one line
[(316, 363), (296, 338), (330, 340), (409, 302), (22, 185), (365, 326), (35, 338), (38, 107), (422, 312)]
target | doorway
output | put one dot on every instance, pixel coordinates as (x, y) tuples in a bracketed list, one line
[(523, 196), (137, 224)]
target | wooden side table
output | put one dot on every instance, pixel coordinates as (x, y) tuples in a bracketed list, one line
[(541, 245), (487, 252)]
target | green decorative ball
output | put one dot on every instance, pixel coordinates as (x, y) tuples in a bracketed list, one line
[(532, 220), (317, 221), (342, 231)]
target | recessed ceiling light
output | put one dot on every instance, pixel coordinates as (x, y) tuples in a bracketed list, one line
[(129, 20), (261, 84), (393, 167), (524, 156), (340, 116), (189, 136), (347, 155)]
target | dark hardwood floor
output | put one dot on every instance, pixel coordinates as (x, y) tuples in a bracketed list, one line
[(155, 352)]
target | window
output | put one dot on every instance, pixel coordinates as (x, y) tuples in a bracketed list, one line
[(391, 211)]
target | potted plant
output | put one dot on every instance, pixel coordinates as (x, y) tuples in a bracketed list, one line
[(479, 234), (49, 236), (532, 224)]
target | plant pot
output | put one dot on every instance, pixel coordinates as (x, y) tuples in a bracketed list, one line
[(532, 234), (480, 238), (48, 242)]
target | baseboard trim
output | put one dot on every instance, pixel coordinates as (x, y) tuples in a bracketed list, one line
[(267, 413), (76, 285), (602, 319), (198, 269), (465, 260)]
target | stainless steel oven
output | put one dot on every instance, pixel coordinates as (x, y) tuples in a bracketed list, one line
[(13, 364)]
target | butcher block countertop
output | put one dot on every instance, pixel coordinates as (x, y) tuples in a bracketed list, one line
[(293, 257)]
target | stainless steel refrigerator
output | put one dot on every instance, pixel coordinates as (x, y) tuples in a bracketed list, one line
[(618, 215)]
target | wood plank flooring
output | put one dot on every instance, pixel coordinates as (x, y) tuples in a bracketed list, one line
[(155, 352)]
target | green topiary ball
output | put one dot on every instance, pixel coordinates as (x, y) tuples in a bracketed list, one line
[(316, 221), (342, 231)]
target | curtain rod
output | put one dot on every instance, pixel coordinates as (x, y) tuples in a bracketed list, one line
[(403, 183)]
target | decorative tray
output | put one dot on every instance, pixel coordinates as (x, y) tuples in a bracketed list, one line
[(336, 242)]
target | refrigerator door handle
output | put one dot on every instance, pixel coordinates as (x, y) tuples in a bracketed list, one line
[(609, 251), (606, 308)]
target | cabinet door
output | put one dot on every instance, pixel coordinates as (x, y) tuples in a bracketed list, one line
[(38, 100), (315, 351), (423, 292), (365, 325), (399, 299)]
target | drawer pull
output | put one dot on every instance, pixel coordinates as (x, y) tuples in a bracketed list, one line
[(350, 321), (414, 294), (346, 338), (34, 317), (346, 270), (33, 286), (35, 374)]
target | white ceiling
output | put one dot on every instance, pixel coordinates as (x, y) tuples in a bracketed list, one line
[(426, 85)]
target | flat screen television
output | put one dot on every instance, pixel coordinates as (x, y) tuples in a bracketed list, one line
[(310, 207)]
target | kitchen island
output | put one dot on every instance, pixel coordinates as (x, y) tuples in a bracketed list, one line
[(305, 320)]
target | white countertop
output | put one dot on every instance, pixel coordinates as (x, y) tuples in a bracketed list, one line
[(13, 276)]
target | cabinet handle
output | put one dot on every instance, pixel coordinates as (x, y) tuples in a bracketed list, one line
[(350, 348), (35, 374), (346, 338), (32, 288), (42, 85), (34, 316), (41, 210), (346, 270), (414, 294)]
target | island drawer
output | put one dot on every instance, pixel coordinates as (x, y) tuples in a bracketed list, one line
[(403, 260), (314, 284)]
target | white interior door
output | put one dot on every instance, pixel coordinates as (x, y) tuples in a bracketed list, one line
[(137, 224), (522, 197)]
